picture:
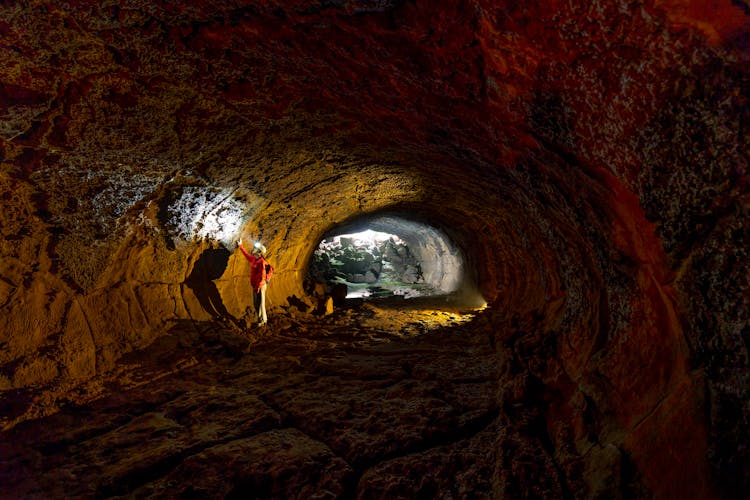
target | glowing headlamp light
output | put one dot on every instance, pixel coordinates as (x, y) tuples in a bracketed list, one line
[(257, 245)]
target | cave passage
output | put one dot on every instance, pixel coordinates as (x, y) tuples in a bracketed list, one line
[(572, 179), (388, 256)]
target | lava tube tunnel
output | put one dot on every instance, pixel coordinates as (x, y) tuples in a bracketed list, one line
[(503, 249)]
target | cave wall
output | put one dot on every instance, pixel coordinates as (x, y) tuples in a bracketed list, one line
[(591, 160)]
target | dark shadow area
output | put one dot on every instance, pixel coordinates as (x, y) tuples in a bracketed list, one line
[(210, 266), (297, 303), (14, 403)]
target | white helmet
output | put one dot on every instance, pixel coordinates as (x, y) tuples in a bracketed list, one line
[(260, 247)]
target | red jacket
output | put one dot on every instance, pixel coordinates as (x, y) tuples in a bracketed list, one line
[(260, 270)]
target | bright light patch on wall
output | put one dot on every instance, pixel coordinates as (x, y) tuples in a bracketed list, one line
[(205, 213)]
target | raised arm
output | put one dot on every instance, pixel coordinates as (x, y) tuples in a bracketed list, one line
[(249, 257)]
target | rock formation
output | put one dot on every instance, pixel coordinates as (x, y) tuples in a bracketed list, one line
[(589, 160)]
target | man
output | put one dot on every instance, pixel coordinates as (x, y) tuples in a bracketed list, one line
[(260, 274)]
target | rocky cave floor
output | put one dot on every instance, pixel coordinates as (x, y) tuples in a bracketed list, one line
[(384, 399)]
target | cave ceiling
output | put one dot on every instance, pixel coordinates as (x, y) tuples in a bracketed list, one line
[(220, 87), (437, 108)]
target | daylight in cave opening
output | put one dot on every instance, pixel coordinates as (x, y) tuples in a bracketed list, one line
[(389, 256)]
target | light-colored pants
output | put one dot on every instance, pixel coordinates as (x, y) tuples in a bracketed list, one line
[(259, 299)]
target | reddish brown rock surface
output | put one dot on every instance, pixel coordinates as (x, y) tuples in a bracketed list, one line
[(589, 161), (317, 409)]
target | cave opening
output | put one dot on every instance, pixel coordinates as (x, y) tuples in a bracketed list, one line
[(370, 264), (389, 256)]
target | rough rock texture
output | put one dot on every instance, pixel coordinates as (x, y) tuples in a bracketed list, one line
[(589, 160), (317, 410)]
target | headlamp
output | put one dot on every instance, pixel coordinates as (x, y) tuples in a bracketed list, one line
[(257, 245)]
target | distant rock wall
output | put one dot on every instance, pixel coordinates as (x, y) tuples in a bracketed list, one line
[(422, 252)]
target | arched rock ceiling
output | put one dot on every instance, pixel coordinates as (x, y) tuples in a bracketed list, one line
[(387, 102), (592, 155)]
